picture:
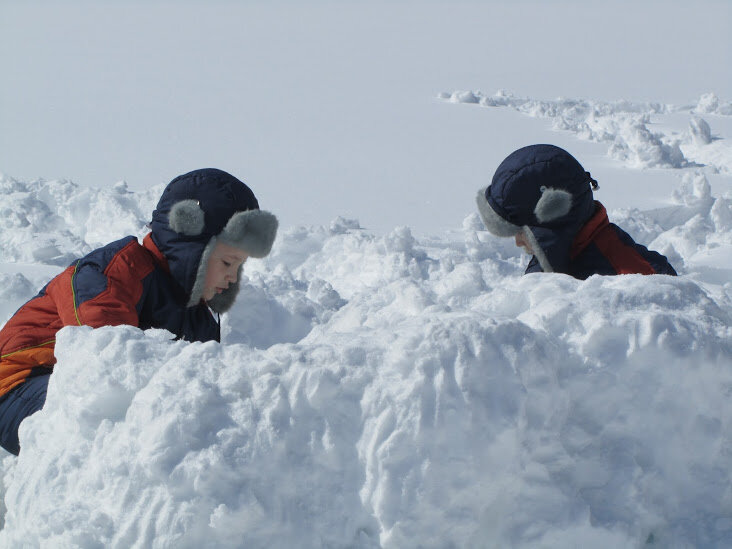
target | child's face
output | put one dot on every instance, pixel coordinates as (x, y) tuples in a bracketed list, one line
[(223, 265)]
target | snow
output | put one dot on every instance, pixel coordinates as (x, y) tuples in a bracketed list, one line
[(387, 377), (388, 391), (625, 125)]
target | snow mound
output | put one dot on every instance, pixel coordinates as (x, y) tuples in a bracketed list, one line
[(709, 103), (626, 127), (389, 391), (53, 222), (548, 410)]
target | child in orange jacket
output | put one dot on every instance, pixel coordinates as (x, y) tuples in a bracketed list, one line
[(206, 224)]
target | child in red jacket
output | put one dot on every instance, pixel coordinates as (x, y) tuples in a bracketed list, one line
[(206, 224), (542, 197)]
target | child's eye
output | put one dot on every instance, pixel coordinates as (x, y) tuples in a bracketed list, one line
[(226, 263)]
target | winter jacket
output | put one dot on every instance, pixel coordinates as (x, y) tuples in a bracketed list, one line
[(154, 284), (544, 192), (121, 283), (601, 247)]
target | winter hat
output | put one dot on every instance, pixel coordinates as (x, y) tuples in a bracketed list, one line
[(199, 209), (542, 190)]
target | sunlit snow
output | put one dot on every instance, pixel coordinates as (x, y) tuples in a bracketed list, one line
[(384, 390), (383, 381)]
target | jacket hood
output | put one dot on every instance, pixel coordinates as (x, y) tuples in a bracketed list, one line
[(544, 191), (195, 211)]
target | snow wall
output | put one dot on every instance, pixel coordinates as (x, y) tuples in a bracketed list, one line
[(385, 391)]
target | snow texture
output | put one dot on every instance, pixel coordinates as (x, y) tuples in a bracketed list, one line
[(385, 391)]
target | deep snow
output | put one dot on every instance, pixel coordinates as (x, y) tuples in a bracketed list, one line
[(384, 390)]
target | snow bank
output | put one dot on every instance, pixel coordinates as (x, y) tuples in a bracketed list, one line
[(549, 410), (52, 222), (385, 391), (626, 127)]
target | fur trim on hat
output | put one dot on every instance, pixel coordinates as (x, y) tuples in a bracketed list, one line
[(495, 224), (252, 231), (553, 204), (220, 303), (186, 217), (537, 250)]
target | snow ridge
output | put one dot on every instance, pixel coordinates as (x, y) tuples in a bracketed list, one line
[(624, 125), (394, 391), (53, 222)]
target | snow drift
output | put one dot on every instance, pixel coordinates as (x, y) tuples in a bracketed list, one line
[(384, 391), (627, 127)]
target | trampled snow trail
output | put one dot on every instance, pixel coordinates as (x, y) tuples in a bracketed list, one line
[(386, 391), (626, 127)]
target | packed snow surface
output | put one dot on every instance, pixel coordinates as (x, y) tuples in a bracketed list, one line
[(383, 390)]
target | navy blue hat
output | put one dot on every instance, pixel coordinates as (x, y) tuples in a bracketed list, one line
[(218, 194), (199, 209), (541, 189), (538, 186)]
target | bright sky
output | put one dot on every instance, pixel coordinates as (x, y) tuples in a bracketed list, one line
[(328, 109)]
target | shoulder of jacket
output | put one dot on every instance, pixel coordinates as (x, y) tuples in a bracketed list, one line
[(131, 247), (116, 255)]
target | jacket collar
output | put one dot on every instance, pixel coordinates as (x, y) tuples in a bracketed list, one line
[(160, 259), (589, 230)]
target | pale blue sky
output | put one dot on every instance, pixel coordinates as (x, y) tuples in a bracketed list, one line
[(327, 108)]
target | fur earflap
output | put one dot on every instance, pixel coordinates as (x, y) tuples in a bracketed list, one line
[(495, 224), (220, 303), (553, 204), (253, 231), (538, 251), (186, 217)]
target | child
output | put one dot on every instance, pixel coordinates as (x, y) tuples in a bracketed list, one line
[(206, 224), (542, 196)]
